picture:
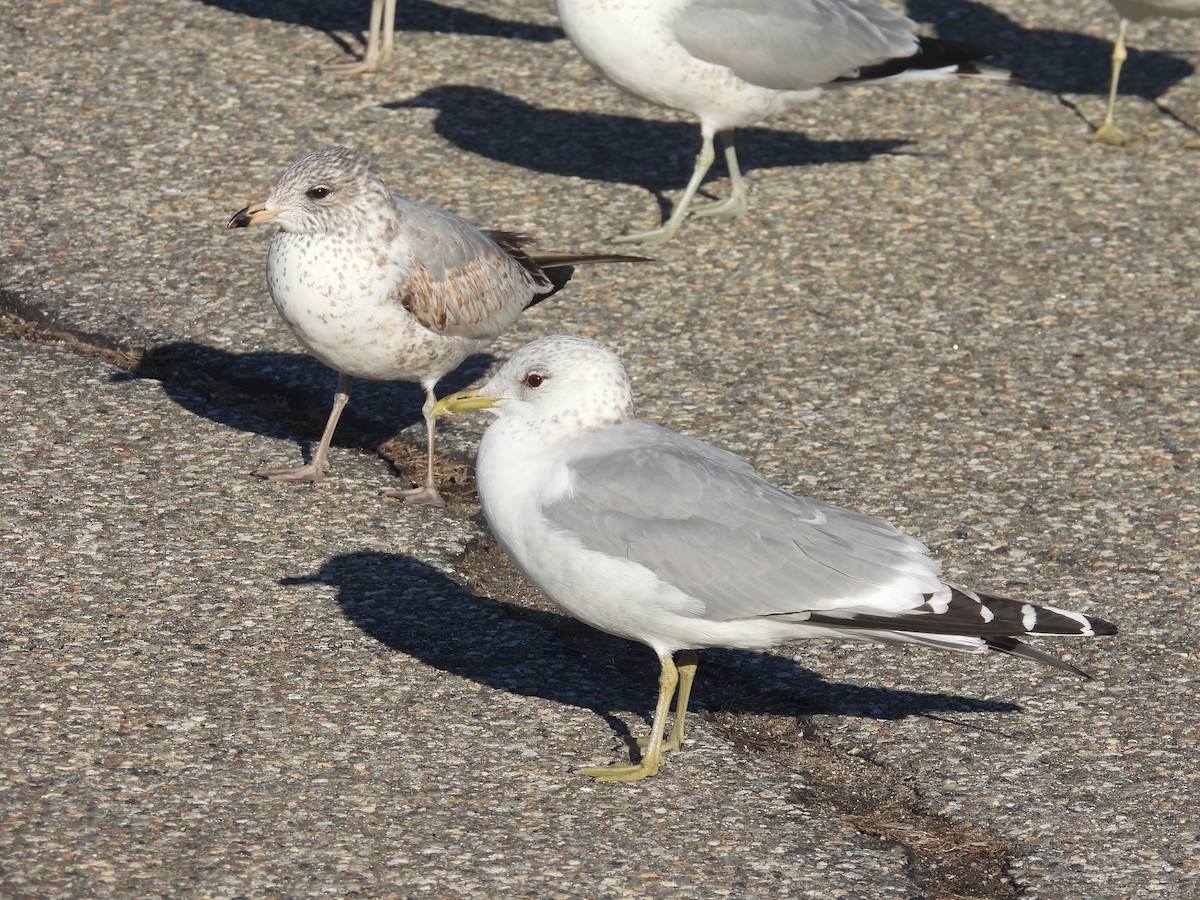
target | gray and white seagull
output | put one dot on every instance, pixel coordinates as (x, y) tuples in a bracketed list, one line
[(663, 539), (382, 287), (732, 63)]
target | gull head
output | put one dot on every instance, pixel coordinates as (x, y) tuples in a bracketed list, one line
[(327, 192), (561, 384)]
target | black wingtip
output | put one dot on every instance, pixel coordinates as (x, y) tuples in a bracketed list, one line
[(936, 53)]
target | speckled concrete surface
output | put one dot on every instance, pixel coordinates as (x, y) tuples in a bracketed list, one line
[(944, 307)]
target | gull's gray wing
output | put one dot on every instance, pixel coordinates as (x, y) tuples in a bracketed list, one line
[(461, 281), (703, 521), (793, 44)]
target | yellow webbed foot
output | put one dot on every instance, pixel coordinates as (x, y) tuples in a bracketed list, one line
[(1110, 134), (622, 771)]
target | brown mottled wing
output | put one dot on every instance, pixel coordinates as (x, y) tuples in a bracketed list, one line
[(465, 282), (459, 281)]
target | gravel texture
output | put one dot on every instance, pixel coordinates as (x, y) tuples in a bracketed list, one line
[(944, 307)]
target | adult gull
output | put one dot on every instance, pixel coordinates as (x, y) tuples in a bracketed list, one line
[(732, 63), (663, 539)]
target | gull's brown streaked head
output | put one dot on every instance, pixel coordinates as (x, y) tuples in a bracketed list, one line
[(328, 192)]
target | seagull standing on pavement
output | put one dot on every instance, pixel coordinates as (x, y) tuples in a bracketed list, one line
[(660, 538), (732, 63), (379, 286)]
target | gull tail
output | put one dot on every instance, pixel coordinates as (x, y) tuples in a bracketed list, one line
[(551, 269)]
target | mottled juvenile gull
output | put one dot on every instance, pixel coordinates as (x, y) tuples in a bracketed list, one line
[(1135, 11), (663, 539), (379, 286), (732, 63)]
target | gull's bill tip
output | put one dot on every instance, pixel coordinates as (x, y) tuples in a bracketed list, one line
[(463, 401), (252, 215)]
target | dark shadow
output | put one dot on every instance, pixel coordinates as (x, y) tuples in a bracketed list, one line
[(415, 609), (654, 155), (331, 16), (288, 395), (1058, 62)]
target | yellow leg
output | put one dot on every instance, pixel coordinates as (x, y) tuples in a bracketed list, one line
[(687, 674), (652, 758), (1108, 132)]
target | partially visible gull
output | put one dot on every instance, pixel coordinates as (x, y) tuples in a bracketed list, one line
[(662, 539), (379, 286), (1135, 11), (732, 63), (381, 42)]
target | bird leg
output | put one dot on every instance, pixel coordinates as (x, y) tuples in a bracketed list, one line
[(652, 758), (1108, 132), (735, 204), (670, 228), (687, 673), (381, 43), (388, 45), (426, 493), (314, 471)]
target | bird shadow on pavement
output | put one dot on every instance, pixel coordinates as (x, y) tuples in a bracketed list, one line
[(417, 610), (655, 155), (331, 16), (1050, 60), (288, 395)]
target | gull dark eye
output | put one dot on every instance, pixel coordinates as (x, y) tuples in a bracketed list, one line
[(533, 380), (318, 193)]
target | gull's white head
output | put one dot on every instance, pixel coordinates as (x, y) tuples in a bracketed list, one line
[(562, 384), (327, 192)]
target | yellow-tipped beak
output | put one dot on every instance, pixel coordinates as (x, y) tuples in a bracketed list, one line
[(252, 215), (463, 401)]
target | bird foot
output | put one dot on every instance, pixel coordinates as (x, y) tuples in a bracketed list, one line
[(658, 235), (1110, 134), (622, 771), (425, 495), (308, 474), (350, 65), (729, 208), (668, 745)]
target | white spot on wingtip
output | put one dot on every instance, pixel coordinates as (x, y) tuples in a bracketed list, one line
[(1085, 625)]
